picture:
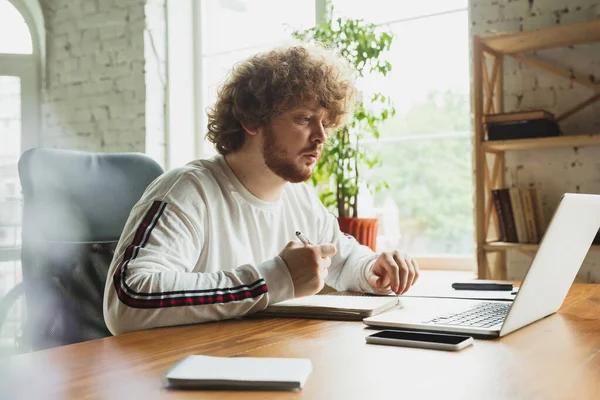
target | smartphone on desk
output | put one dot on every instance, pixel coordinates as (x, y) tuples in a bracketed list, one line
[(437, 341)]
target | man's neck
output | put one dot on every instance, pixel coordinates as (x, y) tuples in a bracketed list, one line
[(254, 174)]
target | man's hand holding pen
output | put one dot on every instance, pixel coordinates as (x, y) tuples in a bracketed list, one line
[(307, 264)]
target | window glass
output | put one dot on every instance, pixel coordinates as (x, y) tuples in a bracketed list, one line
[(425, 149), (252, 26), (384, 11), (10, 137), (10, 203), (236, 24), (15, 37)]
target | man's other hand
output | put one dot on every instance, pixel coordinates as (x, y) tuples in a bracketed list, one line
[(393, 272)]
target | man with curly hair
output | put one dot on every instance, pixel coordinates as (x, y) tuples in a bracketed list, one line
[(216, 239)]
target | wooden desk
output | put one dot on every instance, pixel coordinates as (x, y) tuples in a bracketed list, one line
[(555, 358)]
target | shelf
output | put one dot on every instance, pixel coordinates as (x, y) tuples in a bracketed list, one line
[(489, 56), (542, 143), (558, 36), (527, 247), (496, 246)]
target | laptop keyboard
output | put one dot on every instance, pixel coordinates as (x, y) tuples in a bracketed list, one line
[(484, 315)]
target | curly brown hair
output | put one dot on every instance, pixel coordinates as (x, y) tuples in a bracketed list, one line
[(267, 84)]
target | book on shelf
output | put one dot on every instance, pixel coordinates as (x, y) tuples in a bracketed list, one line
[(517, 116), (504, 212), (518, 215), (529, 215), (519, 212), (538, 211), (597, 238), (521, 125), (503, 237)]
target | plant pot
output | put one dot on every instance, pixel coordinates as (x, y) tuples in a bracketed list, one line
[(364, 230)]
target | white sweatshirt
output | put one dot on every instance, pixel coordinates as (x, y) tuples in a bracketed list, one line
[(199, 247)]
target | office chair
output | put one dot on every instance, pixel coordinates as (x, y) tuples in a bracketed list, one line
[(75, 207)]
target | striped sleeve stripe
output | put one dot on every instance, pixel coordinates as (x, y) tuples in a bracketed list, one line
[(173, 298)]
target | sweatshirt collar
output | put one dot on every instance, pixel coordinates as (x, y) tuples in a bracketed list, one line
[(243, 192)]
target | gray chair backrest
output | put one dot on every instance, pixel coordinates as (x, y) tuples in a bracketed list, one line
[(74, 210)]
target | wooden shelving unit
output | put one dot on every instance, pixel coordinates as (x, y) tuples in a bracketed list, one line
[(488, 99)]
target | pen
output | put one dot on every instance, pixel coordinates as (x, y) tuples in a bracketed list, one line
[(304, 240)]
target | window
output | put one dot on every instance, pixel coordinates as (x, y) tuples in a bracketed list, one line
[(19, 127), (205, 39), (425, 148), (10, 137)]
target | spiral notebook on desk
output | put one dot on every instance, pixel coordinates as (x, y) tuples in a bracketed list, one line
[(332, 306)]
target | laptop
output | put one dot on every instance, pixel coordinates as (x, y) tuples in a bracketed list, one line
[(565, 244)]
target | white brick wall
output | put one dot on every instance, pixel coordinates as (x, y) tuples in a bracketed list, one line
[(554, 171), (100, 87)]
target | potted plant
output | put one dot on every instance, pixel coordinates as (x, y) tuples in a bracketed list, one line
[(337, 174)]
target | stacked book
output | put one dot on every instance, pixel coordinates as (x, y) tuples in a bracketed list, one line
[(520, 217), (521, 125)]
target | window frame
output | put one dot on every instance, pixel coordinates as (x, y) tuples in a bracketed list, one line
[(28, 68)]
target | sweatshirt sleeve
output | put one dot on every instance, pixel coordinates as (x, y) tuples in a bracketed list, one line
[(151, 282), (349, 266)]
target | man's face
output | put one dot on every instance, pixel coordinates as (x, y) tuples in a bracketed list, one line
[(294, 140)]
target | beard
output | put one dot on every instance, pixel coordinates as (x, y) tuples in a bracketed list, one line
[(279, 162)]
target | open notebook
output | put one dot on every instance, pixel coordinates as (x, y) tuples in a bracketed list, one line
[(333, 307), (237, 373)]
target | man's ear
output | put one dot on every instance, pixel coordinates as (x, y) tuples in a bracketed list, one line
[(250, 130)]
